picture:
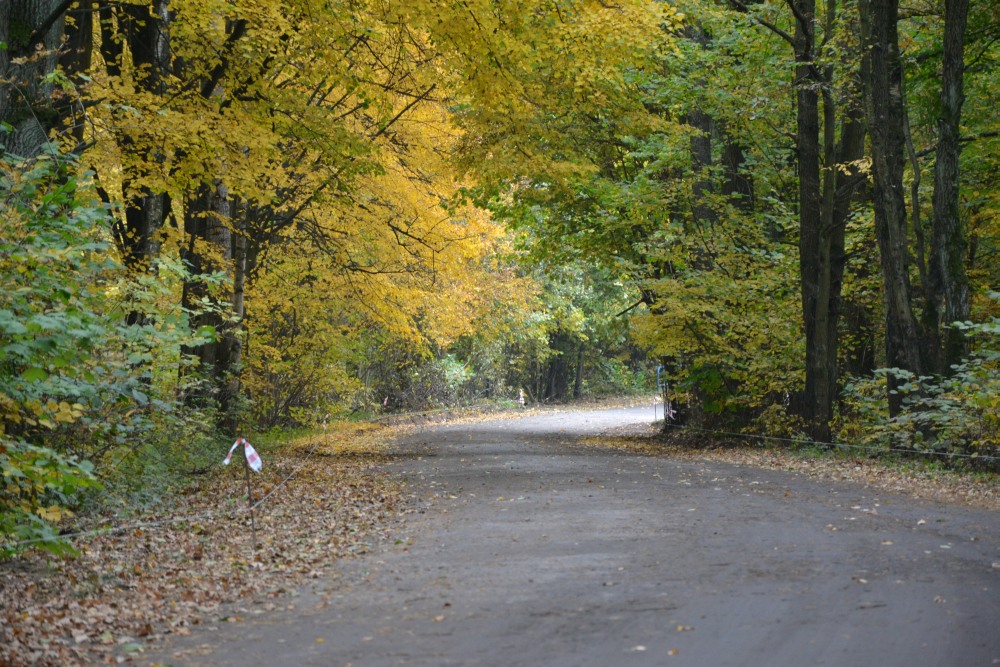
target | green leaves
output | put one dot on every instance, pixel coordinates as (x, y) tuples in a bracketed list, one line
[(38, 484), (76, 378)]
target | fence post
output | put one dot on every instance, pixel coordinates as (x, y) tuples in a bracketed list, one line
[(253, 521)]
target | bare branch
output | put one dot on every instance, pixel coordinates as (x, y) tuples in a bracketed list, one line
[(742, 7), (961, 140), (409, 106), (38, 34)]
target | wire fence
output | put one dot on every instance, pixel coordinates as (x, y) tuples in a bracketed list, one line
[(715, 433), (807, 442), (111, 529)]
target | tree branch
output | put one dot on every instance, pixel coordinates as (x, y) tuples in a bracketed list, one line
[(742, 7), (239, 30), (38, 34), (961, 140), (802, 19), (413, 102)]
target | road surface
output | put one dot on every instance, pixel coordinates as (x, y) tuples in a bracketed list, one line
[(532, 550)]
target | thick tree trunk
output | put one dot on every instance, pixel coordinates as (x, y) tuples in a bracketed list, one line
[(144, 30), (884, 109), (701, 165), (948, 280), (827, 187), (32, 107), (848, 183), (76, 57), (815, 250), (212, 247), (824, 201), (737, 184), (702, 213)]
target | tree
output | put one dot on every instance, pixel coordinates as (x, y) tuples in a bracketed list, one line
[(949, 287), (883, 77), (828, 178)]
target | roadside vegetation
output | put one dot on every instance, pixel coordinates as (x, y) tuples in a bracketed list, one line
[(191, 561), (242, 218)]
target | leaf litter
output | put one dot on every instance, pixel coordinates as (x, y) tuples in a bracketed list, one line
[(172, 570), (128, 589), (974, 489)]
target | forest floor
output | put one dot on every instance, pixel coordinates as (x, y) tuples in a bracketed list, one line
[(470, 529)]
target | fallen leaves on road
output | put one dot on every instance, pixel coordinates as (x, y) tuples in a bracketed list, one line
[(946, 486), (172, 570)]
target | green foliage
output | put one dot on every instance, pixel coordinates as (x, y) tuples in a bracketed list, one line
[(954, 415), (88, 358), (38, 486), (52, 263)]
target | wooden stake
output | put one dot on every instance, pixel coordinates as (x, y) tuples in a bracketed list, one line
[(253, 522)]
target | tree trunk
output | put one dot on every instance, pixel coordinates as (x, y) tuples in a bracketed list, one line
[(815, 251), (701, 165), (848, 183), (32, 107), (884, 109), (948, 280), (144, 29), (737, 184), (578, 380), (210, 249), (701, 153)]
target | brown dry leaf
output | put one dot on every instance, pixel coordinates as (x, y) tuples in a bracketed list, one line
[(136, 585), (945, 486)]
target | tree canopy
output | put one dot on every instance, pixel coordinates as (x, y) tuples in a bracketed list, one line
[(221, 215)]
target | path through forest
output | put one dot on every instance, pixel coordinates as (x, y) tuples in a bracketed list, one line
[(532, 549)]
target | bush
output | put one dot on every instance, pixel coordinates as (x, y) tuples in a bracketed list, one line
[(38, 486), (954, 415), (79, 385)]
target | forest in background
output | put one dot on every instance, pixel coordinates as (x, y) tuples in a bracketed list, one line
[(229, 216)]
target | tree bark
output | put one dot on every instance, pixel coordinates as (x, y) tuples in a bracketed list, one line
[(824, 198), (815, 241), (948, 280), (884, 110), (737, 184), (210, 249), (144, 31), (31, 106)]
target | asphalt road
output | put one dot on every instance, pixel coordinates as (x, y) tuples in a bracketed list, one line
[(533, 550)]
